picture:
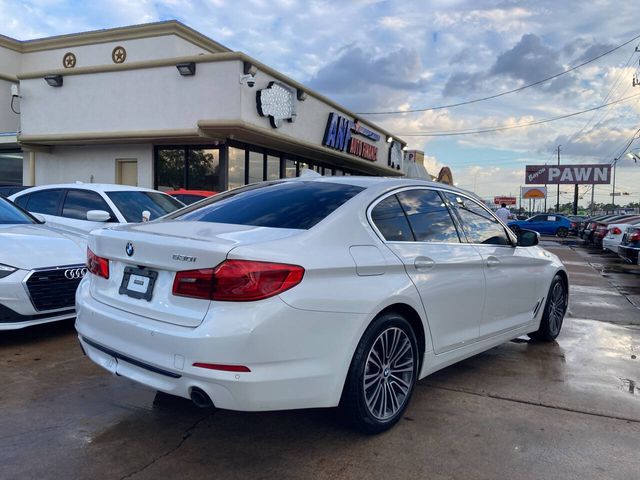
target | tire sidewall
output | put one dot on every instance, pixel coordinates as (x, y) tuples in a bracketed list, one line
[(354, 390)]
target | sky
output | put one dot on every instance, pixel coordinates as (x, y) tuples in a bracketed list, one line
[(381, 56)]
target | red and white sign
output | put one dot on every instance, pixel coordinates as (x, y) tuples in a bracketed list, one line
[(505, 200)]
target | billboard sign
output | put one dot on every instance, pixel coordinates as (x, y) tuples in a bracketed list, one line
[(592, 174), (533, 192), (505, 200)]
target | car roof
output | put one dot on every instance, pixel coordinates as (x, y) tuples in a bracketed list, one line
[(96, 187)]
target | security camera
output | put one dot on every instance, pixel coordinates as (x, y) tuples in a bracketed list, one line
[(15, 90), (249, 79)]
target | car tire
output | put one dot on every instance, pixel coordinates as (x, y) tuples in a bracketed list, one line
[(554, 311), (562, 232), (378, 386)]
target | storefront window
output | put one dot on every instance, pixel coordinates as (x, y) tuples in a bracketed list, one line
[(11, 168), (170, 167), (204, 170), (236, 167), (256, 166), (290, 168), (273, 168)]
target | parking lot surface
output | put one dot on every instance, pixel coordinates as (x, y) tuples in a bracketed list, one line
[(569, 409)]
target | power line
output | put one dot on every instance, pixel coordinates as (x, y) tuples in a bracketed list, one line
[(507, 92), (445, 133)]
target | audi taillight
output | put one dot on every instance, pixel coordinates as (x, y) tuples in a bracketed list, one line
[(615, 231), (238, 281), (97, 265)]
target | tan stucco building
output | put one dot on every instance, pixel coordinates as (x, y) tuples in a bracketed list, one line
[(161, 105)]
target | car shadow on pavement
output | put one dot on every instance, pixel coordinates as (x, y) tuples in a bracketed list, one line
[(37, 333)]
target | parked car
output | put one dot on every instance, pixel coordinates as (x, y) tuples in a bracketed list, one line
[(85, 206), (602, 228), (587, 233), (190, 196), (577, 222), (630, 245), (40, 269), (222, 303), (544, 224), (615, 232), (6, 190)]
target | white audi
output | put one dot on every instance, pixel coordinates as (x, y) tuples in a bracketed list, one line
[(314, 292), (40, 269)]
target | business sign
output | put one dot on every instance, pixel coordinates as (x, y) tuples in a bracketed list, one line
[(533, 192), (568, 174), (505, 200), (338, 135), (278, 102)]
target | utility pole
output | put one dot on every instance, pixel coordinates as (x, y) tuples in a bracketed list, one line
[(545, 194), (613, 193), (575, 199), (558, 194)]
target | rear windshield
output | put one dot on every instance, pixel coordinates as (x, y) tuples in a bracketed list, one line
[(298, 204), (132, 203)]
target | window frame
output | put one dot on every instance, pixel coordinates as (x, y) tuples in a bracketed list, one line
[(66, 192), (464, 240), (63, 194)]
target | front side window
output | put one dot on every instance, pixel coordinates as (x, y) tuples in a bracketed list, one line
[(297, 205), (132, 203), (44, 201), (391, 221), (478, 224), (428, 216), (78, 202)]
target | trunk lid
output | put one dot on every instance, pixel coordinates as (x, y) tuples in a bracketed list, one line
[(166, 247)]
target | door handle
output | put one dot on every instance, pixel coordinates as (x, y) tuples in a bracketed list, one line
[(423, 263), (492, 262)]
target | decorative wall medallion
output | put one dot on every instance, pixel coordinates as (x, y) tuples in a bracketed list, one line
[(119, 55), (69, 60), (277, 101)]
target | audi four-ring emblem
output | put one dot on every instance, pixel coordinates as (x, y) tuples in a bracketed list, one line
[(74, 273)]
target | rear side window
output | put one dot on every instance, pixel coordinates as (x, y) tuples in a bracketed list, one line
[(391, 221), (22, 201), (297, 204), (78, 202), (44, 201), (428, 216), (478, 224)]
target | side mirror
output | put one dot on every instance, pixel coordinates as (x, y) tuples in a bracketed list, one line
[(39, 217), (528, 238), (98, 216)]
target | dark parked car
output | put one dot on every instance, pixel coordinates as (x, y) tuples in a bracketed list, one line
[(590, 228), (543, 224), (577, 223), (630, 245), (6, 190)]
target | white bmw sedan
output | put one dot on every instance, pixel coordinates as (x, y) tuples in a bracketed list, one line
[(314, 292), (40, 269)]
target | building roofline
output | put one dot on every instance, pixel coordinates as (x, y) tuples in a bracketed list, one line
[(130, 32), (211, 57)]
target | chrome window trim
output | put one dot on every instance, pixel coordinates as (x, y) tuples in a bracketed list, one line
[(395, 191)]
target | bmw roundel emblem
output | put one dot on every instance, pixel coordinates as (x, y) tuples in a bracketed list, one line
[(129, 248)]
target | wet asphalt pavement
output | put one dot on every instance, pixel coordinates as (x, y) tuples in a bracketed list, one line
[(565, 410)]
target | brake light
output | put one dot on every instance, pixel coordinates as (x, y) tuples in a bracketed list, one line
[(97, 265), (615, 231), (634, 237), (573, 224), (238, 281)]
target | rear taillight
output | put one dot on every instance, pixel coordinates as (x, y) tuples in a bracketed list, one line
[(238, 281), (573, 224), (634, 237), (97, 265), (615, 231)]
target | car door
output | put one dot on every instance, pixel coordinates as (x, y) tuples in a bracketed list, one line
[(44, 202), (535, 223), (76, 204), (448, 274), (512, 272)]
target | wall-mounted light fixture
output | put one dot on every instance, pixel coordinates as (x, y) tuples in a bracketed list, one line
[(53, 80), (405, 148), (249, 69), (301, 95), (186, 69), (389, 139)]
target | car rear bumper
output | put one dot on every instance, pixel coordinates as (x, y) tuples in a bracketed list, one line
[(297, 358)]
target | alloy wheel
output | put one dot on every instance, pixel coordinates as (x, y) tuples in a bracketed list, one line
[(389, 372), (556, 308)]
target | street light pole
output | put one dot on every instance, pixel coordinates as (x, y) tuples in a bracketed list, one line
[(558, 194)]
